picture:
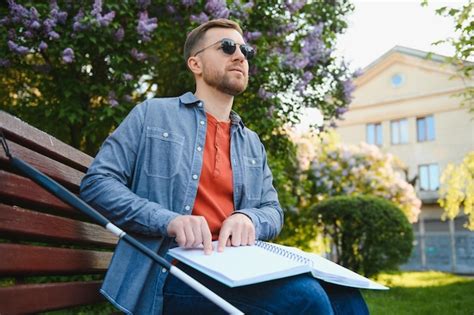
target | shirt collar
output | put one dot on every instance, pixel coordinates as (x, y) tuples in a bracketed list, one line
[(189, 98)]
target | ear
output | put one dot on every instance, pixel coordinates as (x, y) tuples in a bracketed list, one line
[(195, 65)]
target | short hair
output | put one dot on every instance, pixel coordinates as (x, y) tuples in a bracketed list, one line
[(197, 34)]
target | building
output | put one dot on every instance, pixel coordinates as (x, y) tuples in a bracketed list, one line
[(405, 103)]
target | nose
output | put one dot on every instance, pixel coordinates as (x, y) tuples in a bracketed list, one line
[(238, 55)]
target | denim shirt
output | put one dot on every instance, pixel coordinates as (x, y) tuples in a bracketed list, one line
[(147, 173)]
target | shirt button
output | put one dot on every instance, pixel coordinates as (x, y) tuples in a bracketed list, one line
[(163, 270), (202, 122), (199, 149), (253, 162), (200, 104), (165, 135), (187, 208), (195, 176)]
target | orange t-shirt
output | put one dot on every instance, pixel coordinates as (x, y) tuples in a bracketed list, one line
[(215, 198)]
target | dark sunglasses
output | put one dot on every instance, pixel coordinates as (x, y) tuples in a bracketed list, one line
[(229, 46)]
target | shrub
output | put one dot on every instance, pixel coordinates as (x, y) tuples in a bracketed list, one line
[(369, 234)]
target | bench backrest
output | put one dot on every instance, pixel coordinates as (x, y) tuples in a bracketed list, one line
[(44, 243)]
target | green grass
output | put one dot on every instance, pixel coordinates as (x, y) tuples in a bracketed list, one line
[(422, 293)]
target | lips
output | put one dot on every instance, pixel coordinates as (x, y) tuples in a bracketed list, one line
[(237, 69)]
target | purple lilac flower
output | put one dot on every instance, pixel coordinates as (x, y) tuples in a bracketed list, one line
[(303, 83), (53, 35), (357, 73), (96, 8), (348, 87), (4, 21), (313, 50), (78, 25), (112, 99), (140, 56), (170, 9), (17, 49), (49, 24), (105, 20), (146, 25), (127, 76), (35, 25), (201, 18), (102, 20), (119, 34), (251, 36), (34, 15), (264, 94), (294, 5), (68, 55), (56, 13), (217, 8), (4, 63), (43, 46), (17, 11), (28, 34), (127, 98), (188, 3)]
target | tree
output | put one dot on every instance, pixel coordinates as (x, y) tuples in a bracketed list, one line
[(457, 189), (463, 44), (74, 69)]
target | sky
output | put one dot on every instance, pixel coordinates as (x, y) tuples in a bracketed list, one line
[(376, 26)]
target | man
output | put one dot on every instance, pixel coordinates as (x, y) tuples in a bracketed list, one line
[(185, 171)]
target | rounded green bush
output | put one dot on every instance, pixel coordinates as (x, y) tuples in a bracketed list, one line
[(369, 234)]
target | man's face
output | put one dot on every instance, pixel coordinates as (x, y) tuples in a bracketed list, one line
[(226, 73)]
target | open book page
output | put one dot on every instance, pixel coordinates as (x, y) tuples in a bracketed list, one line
[(238, 266), (329, 271)]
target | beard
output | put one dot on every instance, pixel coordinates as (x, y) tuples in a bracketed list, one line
[(225, 82)]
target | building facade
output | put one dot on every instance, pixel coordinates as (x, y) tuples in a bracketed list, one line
[(405, 102)]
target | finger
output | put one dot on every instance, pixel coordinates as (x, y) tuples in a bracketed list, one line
[(206, 237), (197, 233), (251, 237), (223, 238), (189, 233), (180, 237), (237, 235), (228, 243)]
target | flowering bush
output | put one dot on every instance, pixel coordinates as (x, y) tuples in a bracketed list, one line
[(83, 64), (346, 170), (75, 68), (457, 189)]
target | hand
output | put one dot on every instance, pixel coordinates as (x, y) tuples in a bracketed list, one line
[(191, 231), (236, 230)]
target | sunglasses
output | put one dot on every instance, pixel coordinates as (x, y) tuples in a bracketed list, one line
[(229, 46)]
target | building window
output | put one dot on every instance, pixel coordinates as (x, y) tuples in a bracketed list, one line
[(397, 80), (399, 130), (374, 134), (425, 128), (429, 177)]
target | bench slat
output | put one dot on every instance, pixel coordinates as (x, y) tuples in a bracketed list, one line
[(18, 188), (40, 226), (33, 298), (42, 142), (39, 260), (64, 174)]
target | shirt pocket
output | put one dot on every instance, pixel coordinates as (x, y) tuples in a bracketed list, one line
[(253, 177), (163, 151)]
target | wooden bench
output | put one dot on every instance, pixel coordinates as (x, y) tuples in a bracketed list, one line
[(51, 256)]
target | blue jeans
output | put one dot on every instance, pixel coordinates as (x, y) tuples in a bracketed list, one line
[(300, 294)]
